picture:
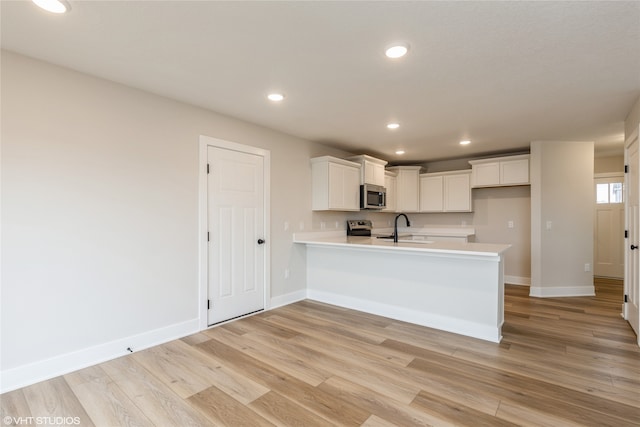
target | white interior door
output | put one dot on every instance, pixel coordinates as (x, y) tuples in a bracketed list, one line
[(236, 225), (632, 282), (608, 251)]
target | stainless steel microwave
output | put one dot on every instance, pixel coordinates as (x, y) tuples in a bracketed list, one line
[(373, 196)]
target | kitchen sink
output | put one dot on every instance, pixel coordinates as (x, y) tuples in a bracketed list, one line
[(407, 238)]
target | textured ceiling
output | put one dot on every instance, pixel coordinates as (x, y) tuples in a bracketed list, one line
[(501, 74)]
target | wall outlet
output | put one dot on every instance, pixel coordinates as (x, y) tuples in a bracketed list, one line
[(323, 225), (549, 225), (286, 225), (286, 273), (587, 267), (510, 224), (464, 223), (337, 225)]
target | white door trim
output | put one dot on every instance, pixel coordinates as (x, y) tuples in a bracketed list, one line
[(206, 141), (628, 280), (608, 175)]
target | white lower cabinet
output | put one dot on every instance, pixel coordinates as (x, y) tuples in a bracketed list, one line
[(445, 192), (335, 184)]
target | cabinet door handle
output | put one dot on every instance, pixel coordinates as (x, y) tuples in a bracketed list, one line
[(633, 247), (260, 241)]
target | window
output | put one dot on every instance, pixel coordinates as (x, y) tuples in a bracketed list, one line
[(611, 192)]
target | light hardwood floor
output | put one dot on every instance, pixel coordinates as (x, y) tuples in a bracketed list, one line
[(562, 362)]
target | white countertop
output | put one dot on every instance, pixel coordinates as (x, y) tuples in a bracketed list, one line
[(430, 231), (338, 238)]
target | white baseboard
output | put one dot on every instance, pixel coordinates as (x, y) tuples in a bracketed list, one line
[(22, 376), (517, 280), (564, 291), (289, 298), (456, 326)]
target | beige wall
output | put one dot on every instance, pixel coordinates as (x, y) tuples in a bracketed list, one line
[(561, 197), (633, 120), (100, 211), (609, 164)]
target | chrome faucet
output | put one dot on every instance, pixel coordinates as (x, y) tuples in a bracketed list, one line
[(395, 226)]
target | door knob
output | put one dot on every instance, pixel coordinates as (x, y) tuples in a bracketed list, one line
[(634, 247), (260, 241)]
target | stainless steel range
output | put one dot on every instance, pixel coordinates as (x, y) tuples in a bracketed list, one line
[(359, 227)]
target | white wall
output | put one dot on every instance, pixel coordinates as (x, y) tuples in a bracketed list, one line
[(100, 211), (561, 196)]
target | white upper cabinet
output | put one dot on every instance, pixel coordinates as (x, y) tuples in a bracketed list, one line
[(408, 188), (335, 184), (372, 169), (485, 174), (457, 192), (391, 184), (501, 171), (445, 192), (514, 171), (431, 193)]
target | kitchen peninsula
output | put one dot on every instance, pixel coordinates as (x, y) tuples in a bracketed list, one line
[(448, 285)]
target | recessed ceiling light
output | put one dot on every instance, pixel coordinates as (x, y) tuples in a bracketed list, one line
[(275, 97), (53, 6), (393, 126), (399, 152), (397, 50), (465, 142)]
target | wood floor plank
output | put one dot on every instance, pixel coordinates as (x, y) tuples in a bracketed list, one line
[(222, 409), (562, 362), (341, 344), (456, 413), (560, 401), (195, 338), (376, 373), (379, 404), (104, 400), (161, 405), (54, 398), (322, 404), (284, 412), (329, 325), (375, 421), (297, 367), (14, 407), (528, 417), (187, 371)]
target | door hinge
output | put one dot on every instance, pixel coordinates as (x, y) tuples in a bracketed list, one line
[(626, 168), (208, 304), (207, 167), (626, 234), (626, 298)]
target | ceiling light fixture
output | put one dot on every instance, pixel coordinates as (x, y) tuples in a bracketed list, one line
[(53, 6), (465, 142), (393, 126), (397, 50), (275, 97), (400, 152)]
